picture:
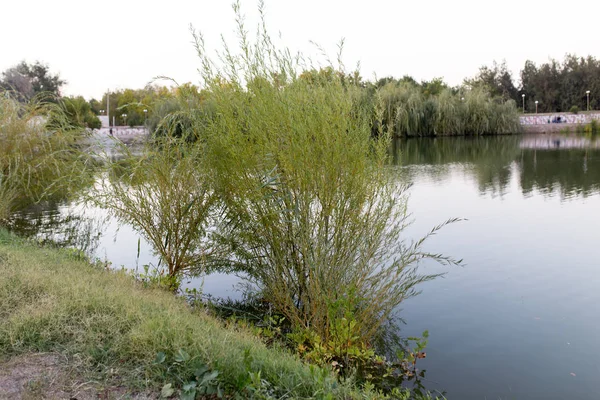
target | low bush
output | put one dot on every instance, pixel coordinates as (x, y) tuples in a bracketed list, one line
[(165, 195)]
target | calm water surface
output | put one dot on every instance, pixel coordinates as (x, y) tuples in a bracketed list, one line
[(520, 319)]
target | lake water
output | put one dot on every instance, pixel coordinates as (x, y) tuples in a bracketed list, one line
[(520, 319)]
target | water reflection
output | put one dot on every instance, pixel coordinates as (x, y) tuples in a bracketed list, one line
[(569, 166), (61, 224), (569, 172)]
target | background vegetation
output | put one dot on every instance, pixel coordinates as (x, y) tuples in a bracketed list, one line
[(27, 81), (428, 108), (413, 110), (38, 155), (557, 86)]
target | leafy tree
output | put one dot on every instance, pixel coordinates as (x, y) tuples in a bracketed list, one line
[(38, 157), (80, 113), (133, 102), (559, 86), (433, 87), (29, 80), (497, 79)]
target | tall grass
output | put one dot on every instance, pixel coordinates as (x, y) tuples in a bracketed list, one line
[(311, 214), (38, 154)]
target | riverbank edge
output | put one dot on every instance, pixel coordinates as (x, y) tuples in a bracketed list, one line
[(54, 301)]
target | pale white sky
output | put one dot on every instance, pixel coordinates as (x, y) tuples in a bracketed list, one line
[(96, 45)]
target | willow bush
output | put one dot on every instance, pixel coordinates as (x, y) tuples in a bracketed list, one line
[(165, 194), (182, 115), (311, 214), (39, 156), (410, 112)]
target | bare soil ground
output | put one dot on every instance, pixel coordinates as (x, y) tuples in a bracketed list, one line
[(48, 376)]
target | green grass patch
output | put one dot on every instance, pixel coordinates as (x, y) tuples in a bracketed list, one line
[(53, 301)]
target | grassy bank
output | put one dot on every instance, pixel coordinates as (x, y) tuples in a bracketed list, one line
[(53, 301)]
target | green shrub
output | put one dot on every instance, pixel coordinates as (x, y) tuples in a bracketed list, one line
[(593, 128), (574, 110), (166, 196), (565, 130), (38, 156), (312, 213)]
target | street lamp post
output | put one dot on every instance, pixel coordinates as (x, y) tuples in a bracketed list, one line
[(588, 99), (523, 96), (108, 108), (124, 116), (536, 103), (145, 117)]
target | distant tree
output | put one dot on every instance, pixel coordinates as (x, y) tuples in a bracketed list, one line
[(132, 102), (16, 82), (96, 106), (320, 76), (408, 79), (497, 79), (29, 80), (80, 113), (433, 87), (560, 86), (384, 81)]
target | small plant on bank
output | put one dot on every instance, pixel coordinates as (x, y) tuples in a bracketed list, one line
[(593, 128), (201, 382), (154, 277), (345, 354), (565, 130), (166, 195), (574, 110)]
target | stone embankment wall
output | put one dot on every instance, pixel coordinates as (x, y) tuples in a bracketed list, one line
[(541, 119), (542, 123), (122, 131), (125, 134)]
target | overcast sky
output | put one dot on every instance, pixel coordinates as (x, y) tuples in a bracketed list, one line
[(117, 44)]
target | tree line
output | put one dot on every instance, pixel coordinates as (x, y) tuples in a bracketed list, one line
[(426, 108), (556, 86)]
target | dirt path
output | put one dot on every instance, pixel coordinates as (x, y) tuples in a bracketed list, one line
[(47, 376)]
